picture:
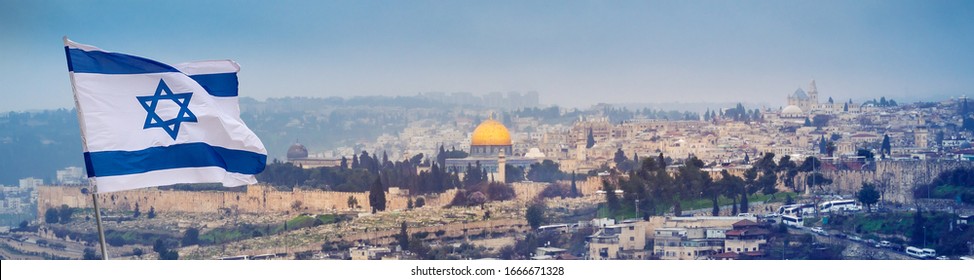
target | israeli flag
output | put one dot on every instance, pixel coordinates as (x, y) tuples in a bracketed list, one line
[(145, 123)]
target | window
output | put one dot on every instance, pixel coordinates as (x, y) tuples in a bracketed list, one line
[(632, 238), (632, 227)]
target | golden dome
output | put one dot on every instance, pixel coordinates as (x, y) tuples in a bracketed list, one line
[(490, 133)]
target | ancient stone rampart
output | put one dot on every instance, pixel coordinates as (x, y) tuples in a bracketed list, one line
[(256, 199), (896, 179)]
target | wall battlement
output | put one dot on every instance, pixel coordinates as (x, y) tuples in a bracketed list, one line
[(256, 199)]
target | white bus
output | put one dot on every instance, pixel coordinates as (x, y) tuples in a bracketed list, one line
[(930, 253), (839, 206), (924, 253), (795, 221), (796, 210)]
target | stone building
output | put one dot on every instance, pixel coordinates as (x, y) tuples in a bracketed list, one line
[(490, 146), (626, 240)]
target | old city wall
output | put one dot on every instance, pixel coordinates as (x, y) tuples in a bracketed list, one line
[(256, 199), (899, 177)]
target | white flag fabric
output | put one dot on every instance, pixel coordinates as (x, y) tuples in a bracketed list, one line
[(145, 123)]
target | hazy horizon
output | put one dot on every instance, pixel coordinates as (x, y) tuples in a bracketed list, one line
[(574, 54)]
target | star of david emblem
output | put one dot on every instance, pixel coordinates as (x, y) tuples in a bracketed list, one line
[(171, 126)]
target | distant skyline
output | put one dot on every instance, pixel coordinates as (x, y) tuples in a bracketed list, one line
[(574, 53)]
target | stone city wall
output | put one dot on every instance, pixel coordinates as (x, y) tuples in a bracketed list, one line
[(900, 177), (256, 199)]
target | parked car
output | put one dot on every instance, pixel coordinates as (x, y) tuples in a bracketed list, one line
[(819, 231), (855, 238), (943, 258)]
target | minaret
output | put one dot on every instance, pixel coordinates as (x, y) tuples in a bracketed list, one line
[(501, 167), (813, 93), (920, 134)]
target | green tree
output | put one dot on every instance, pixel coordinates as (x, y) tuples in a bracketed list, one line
[(712, 191), (547, 171), (474, 175), (886, 147), (513, 174), (162, 247), (690, 184), (420, 202), (169, 255), (620, 156), (768, 183), (419, 248), (191, 237), (750, 187), (731, 187), (821, 120), (611, 199), (821, 145), (766, 163), (51, 216), (535, 214), (137, 212), (403, 236), (159, 246), (65, 213), (574, 187), (817, 180), (866, 154), (152, 212), (919, 233), (590, 139), (377, 196), (810, 164), (409, 203), (868, 195)]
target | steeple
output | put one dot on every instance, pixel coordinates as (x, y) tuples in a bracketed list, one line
[(813, 92)]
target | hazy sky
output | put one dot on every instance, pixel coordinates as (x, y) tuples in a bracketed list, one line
[(573, 53)]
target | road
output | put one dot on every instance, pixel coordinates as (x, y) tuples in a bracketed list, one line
[(23, 249), (862, 248)]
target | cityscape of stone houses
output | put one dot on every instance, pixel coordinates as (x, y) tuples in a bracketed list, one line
[(806, 123)]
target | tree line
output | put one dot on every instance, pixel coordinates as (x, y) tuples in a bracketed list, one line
[(653, 190)]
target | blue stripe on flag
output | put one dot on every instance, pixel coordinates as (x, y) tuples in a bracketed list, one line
[(80, 61), (113, 163), (221, 85)]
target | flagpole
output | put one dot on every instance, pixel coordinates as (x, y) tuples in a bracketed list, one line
[(84, 144), (101, 231)]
